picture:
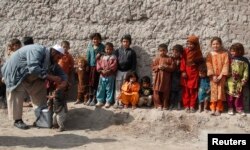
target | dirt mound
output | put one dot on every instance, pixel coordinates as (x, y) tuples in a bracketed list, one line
[(154, 124)]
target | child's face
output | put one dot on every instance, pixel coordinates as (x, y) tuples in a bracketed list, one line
[(65, 47), (16, 47), (108, 50), (80, 63), (125, 43), (216, 46), (96, 41), (9, 48), (145, 84), (176, 54), (190, 45), (132, 79), (233, 53), (162, 51)]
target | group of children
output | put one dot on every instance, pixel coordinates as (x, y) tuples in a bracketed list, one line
[(107, 77), (182, 79)]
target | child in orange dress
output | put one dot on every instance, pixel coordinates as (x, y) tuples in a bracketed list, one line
[(130, 90), (217, 69)]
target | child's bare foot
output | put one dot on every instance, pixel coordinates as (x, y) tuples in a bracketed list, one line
[(242, 113), (99, 104), (230, 112), (217, 113), (55, 126), (159, 108), (192, 110), (107, 105), (133, 107), (212, 113), (77, 102), (187, 110), (60, 129)]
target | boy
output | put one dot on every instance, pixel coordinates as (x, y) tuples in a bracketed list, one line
[(126, 62), (145, 92)]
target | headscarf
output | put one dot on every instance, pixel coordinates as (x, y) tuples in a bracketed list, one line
[(194, 56)]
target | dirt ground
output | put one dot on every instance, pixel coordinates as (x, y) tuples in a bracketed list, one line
[(99, 128)]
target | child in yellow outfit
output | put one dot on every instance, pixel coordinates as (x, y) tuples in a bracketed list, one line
[(130, 90)]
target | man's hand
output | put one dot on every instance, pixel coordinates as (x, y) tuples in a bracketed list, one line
[(56, 79), (62, 85)]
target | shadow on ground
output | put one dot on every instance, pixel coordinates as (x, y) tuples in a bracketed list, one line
[(60, 141), (97, 119)]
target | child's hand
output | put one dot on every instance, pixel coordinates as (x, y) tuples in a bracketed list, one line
[(219, 77), (104, 72), (208, 91), (243, 83), (98, 56), (215, 79), (184, 75), (50, 97), (56, 79)]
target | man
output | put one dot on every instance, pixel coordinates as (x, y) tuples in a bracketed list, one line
[(27, 40), (26, 71)]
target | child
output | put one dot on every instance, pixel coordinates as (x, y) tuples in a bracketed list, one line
[(82, 76), (204, 88), (126, 62), (28, 40), (130, 90), (175, 100), (13, 45), (106, 66), (145, 92), (237, 79), (67, 61), (217, 70), (163, 65), (190, 61), (57, 101), (94, 51)]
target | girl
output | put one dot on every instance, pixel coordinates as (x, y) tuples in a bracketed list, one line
[(190, 61), (162, 68), (130, 90), (94, 51), (106, 66), (217, 70), (82, 75), (237, 80), (204, 88)]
